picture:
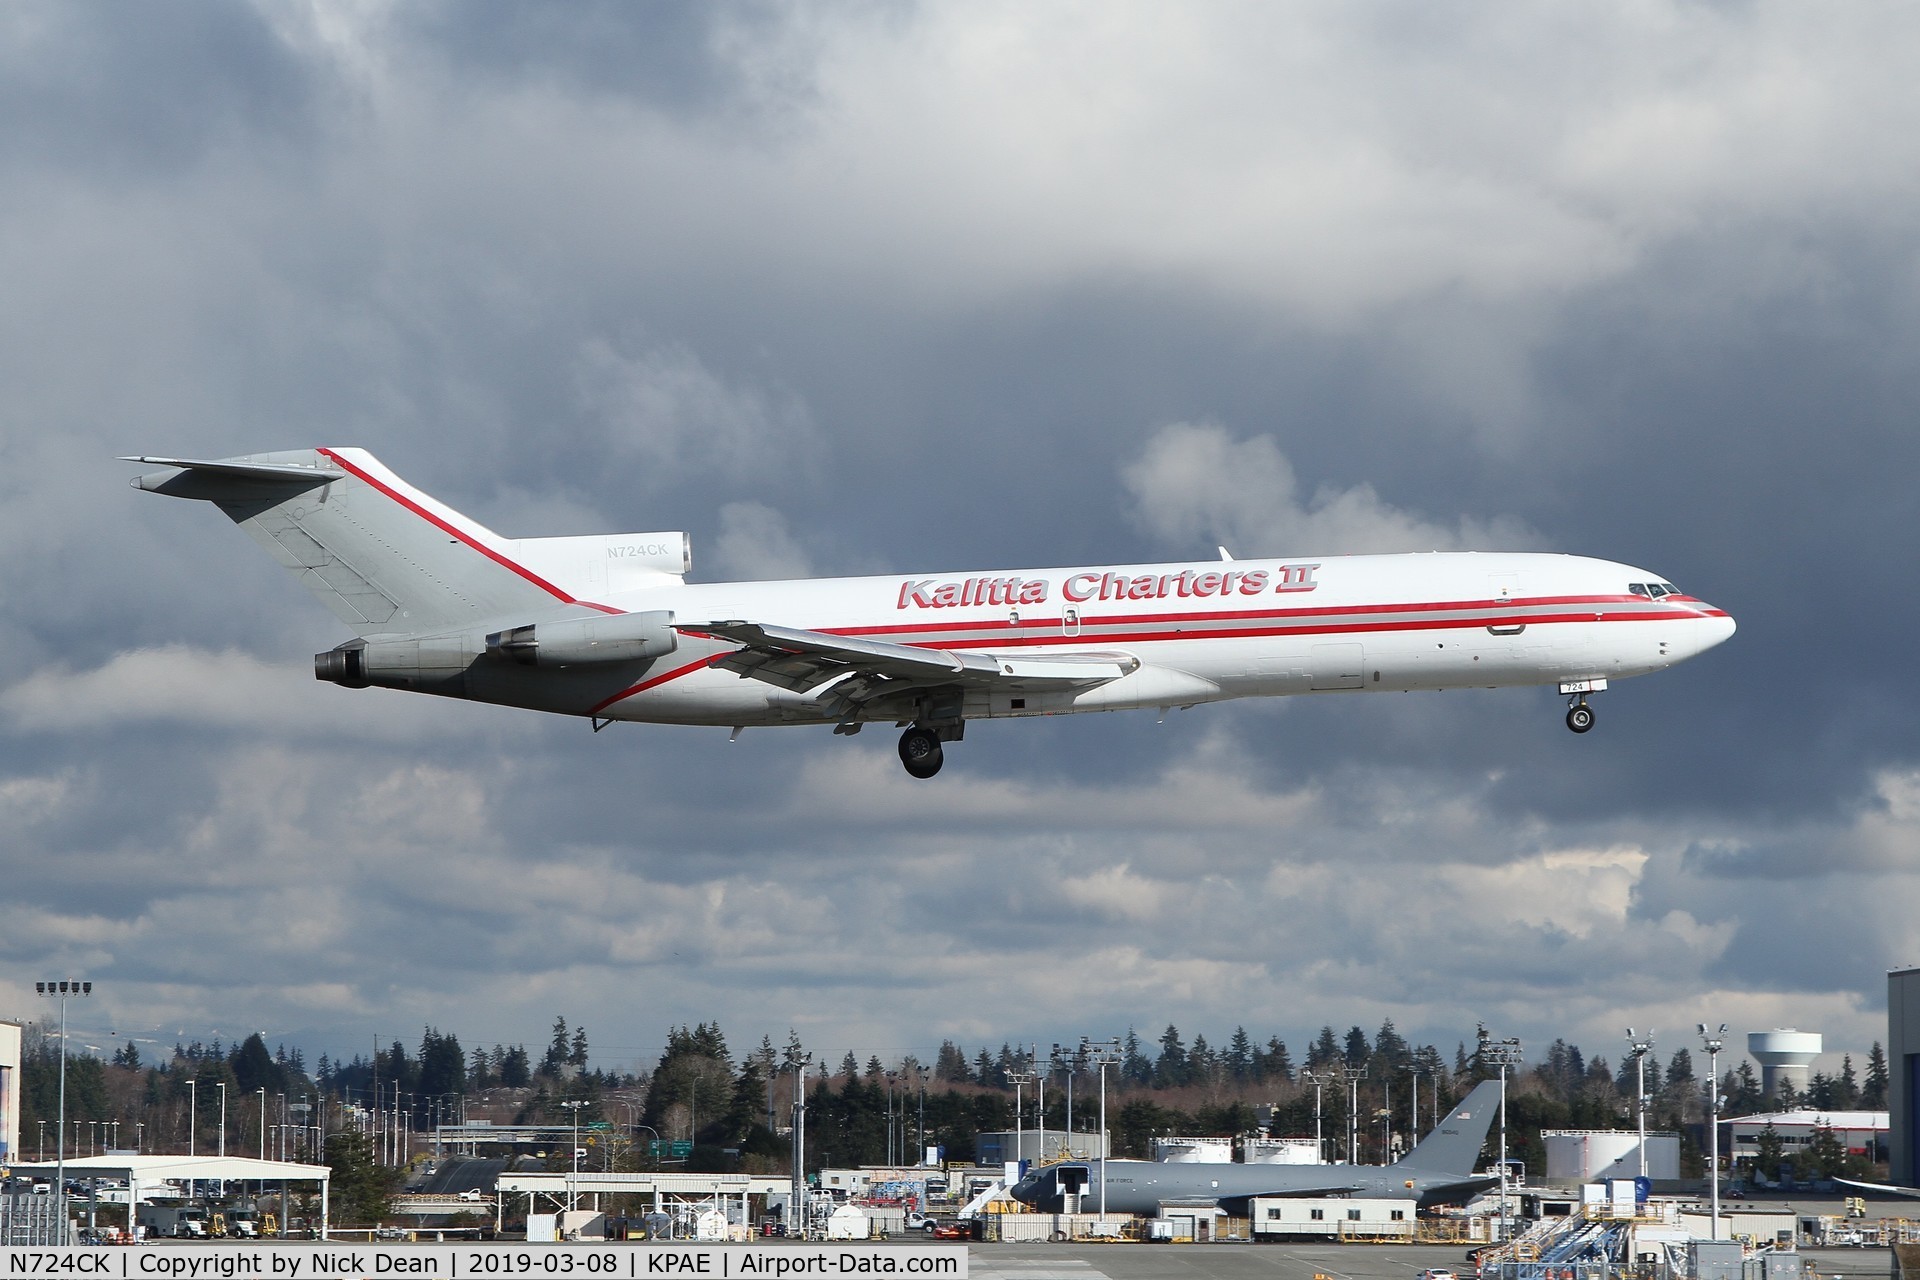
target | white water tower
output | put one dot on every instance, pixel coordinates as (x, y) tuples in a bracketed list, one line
[(1785, 1056)]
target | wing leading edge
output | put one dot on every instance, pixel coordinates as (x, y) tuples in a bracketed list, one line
[(869, 671)]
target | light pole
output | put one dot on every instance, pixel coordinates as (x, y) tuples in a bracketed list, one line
[(262, 1091), (1354, 1076), (1713, 1040), (1318, 1079), (62, 989), (1057, 1056), (573, 1165), (1502, 1054), (222, 1084), (1640, 1047), (193, 1113), (890, 1076), (1018, 1078), (796, 1194), (1103, 1054)]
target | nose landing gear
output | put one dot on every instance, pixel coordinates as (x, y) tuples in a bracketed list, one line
[(1580, 716)]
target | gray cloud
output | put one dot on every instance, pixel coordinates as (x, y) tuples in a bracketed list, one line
[(894, 289)]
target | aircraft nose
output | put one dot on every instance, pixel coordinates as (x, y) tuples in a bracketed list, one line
[(1713, 628)]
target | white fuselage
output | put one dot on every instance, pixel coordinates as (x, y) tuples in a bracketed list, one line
[(1200, 631)]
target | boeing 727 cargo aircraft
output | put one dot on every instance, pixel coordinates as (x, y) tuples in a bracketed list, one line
[(1438, 1171), (606, 627)]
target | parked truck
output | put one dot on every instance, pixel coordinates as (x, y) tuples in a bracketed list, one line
[(174, 1222)]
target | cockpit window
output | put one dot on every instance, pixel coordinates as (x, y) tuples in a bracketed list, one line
[(1638, 588), (1671, 589), (1657, 589)]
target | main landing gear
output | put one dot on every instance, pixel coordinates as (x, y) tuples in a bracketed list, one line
[(920, 752)]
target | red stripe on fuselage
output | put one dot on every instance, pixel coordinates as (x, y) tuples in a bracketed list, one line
[(401, 498), (645, 685), (1094, 640)]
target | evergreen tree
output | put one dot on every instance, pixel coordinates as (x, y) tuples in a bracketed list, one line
[(1240, 1058), (850, 1066), (1134, 1063), (443, 1066), (361, 1190), (1358, 1050), (516, 1068), (1846, 1090), (1874, 1095), (951, 1064), (577, 1052), (1170, 1070), (253, 1067), (558, 1051), (1202, 1063), (1390, 1045), (1277, 1064), (1325, 1051)]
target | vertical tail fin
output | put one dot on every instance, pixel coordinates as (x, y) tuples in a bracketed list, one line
[(1454, 1144), (382, 556)]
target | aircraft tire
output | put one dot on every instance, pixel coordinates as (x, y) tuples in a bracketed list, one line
[(1580, 717), (920, 752)]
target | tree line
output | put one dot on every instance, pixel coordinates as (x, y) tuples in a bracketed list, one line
[(733, 1110)]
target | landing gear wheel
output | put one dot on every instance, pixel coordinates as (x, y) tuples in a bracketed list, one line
[(920, 753), (1579, 717)]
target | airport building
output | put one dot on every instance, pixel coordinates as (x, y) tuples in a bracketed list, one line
[(10, 1045), (1861, 1132), (1903, 1070), (1598, 1155)]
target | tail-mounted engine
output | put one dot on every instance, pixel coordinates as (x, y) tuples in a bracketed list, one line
[(620, 637)]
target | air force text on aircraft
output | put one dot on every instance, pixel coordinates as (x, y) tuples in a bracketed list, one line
[(1188, 584)]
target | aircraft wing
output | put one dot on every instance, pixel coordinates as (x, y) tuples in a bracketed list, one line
[(802, 661), (1882, 1188)]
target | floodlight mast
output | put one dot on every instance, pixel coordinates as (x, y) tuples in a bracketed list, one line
[(1019, 1078), (1639, 1047), (62, 989), (1319, 1080), (1103, 1053), (1714, 1041), (1502, 1054), (1354, 1075)]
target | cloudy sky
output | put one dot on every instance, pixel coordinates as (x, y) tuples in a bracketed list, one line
[(891, 287)]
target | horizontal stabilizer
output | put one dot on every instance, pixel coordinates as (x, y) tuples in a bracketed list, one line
[(271, 472)]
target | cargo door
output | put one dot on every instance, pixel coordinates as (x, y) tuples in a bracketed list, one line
[(1338, 666)]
